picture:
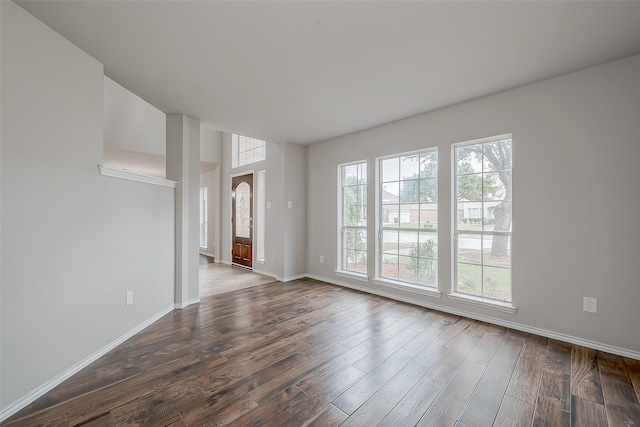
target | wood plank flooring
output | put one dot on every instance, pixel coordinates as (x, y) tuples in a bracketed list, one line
[(305, 353)]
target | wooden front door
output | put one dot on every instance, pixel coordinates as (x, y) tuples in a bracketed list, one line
[(242, 219)]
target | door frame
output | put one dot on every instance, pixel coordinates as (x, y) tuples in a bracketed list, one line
[(253, 213)]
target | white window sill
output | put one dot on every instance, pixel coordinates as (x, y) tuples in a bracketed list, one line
[(424, 290), (504, 307), (352, 275), (122, 174)]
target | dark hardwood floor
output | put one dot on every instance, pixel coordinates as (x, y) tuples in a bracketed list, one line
[(309, 353)]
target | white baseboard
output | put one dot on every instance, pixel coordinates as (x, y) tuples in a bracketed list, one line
[(266, 273), (290, 278), (512, 325), (181, 305), (58, 379), (209, 254)]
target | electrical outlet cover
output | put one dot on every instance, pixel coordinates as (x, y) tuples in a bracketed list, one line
[(590, 305)]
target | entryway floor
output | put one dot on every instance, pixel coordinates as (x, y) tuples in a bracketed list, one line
[(216, 278)]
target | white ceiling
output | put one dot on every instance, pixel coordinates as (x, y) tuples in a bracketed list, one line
[(308, 71)]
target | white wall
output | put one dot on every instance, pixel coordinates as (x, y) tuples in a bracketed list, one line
[(73, 241), (210, 145), (295, 223), (576, 204), (134, 132), (131, 123)]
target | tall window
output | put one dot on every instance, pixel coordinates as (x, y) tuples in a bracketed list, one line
[(203, 217), (353, 217), (247, 150), (261, 194), (482, 233), (409, 218)]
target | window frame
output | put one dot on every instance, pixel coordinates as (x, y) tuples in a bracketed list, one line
[(342, 228), (204, 220), (470, 298), (431, 290), (237, 154)]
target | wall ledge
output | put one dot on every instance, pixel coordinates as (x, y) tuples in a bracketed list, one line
[(58, 379), (122, 174), (495, 321)]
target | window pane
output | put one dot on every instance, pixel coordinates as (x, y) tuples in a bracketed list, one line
[(496, 283), (390, 242), (410, 167), (390, 170), (408, 269), (429, 190), (391, 192), (243, 214), (428, 272), (410, 191), (496, 251), (429, 165), (497, 155), (467, 160), (360, 261), (389, 267), (469, 279), (408, 243), (427, 262), (469, 187), (350, 174), (469, 248), (428, 245), (469, 216), (492, 187), (429, 216)]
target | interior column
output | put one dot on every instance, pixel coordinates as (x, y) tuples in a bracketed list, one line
[(183, 166)]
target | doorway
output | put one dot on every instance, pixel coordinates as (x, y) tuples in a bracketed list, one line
[(242, 220)]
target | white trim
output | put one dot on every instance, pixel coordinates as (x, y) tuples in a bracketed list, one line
[(58, 379), (266, 273), (224, 261), (352, 275), (483, 140), (507, 324), (420, 290), (122, 174), (290, 278), (206, 253), (181, 305), (504, 307)]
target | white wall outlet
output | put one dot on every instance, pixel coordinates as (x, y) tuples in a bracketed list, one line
[(268, 205), (321, 259), (290, 204), (129, 297), (590, 304)]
